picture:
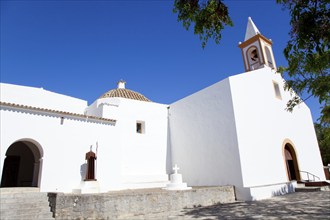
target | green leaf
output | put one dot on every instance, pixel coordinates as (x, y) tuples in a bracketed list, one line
[(209, 18)]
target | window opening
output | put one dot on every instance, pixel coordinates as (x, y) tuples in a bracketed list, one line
[(277, 90), (140, 127)]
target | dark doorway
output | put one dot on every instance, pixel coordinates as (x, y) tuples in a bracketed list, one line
[(291, 163), (291, 170), (10, 171), (21, 165)]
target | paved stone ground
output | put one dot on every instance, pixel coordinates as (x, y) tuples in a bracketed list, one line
[(299, 205)]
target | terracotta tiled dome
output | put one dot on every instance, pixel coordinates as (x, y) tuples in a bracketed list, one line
[(122, 92)]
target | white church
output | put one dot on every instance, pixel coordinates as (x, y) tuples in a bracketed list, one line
[(234, 132)]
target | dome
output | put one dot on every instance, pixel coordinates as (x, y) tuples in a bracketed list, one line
[(122, 92)]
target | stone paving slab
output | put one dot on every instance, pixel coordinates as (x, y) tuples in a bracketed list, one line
[(299, 205)]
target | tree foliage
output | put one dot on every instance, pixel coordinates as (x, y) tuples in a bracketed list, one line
[(323, 137), (209, 17), (307, 53)]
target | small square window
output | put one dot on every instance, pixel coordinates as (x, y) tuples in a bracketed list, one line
[(140, 127), (277, 90)]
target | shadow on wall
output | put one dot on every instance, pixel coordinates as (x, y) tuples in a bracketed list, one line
[(83, 171), (288, 188), (169, 164)]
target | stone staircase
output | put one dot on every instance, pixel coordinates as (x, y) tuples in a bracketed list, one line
[(312, 186), (25, 204)]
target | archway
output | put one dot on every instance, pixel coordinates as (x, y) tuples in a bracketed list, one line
[(22, 165), (291, 162), (253, 58)]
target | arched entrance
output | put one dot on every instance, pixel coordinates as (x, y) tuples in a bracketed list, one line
[(291, 162), (22, 165)]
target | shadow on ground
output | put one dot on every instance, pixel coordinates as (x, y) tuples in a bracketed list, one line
[(300, 205)]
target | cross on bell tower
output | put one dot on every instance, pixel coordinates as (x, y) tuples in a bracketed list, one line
[(256, 49)]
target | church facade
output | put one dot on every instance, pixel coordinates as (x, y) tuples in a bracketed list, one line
[(234, 132)]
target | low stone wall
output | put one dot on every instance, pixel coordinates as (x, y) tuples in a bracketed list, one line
[(130, 203)]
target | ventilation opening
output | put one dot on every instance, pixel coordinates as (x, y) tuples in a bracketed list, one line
[(140, 127)]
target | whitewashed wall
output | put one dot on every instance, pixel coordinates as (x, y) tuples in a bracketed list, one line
[(125, 159), (143, 156), (203, 138), (63, 144), (264, 126), (234, 132)]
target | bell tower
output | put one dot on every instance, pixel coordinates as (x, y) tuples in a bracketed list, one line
[(256, 49)]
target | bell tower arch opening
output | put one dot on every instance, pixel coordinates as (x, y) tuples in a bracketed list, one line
[(22, 165), (253, 58)]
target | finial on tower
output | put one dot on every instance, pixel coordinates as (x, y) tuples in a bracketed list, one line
[(251, 29)]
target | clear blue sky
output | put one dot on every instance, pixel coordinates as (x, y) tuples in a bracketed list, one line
[(83, 48)]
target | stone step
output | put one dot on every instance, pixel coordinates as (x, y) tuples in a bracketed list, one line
[(24, 211), (308, 189), (23, 194), (313, 186), (18, 189), (16, 203), (24, 200), (325, 188), (27, 214), (24, 206), (28, 217), (34, 215), (317, 183)]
